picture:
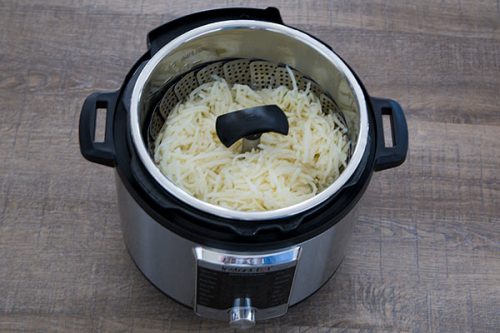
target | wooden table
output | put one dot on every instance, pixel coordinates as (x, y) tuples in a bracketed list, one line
[(425, 255)]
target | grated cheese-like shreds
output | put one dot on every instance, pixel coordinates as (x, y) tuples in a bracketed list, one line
[(285, 170)]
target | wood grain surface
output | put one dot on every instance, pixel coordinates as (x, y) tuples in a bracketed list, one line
[(425, 255)]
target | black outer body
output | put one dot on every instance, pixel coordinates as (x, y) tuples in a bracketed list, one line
[(206, 229)]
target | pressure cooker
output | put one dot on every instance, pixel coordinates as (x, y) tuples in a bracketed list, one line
[(238, 266)]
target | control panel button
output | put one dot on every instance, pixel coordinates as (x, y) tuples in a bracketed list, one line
[(242, 315)]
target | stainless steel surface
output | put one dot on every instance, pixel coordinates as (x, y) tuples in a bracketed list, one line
[(251, 39), (167, 259), (249, 144), (242, 315), (250, 262)]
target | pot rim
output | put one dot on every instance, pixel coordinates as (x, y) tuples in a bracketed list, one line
[(187, 198)]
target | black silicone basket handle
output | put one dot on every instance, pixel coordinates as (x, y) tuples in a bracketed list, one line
[(390, 157), (251, 122), (98, 152), (160, 36)]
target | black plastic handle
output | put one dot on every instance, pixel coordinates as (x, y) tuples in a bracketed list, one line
[(250, 123), (390, 157), (98, 152), (160, 36)]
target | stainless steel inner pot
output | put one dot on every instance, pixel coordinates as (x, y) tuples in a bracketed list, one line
[(250, 39)]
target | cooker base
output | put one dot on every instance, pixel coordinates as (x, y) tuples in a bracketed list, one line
[(168, 260)]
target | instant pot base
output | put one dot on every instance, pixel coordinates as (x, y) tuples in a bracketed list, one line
[(193, 251), (168, 261)]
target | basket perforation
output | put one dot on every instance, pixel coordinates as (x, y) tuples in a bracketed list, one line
[(168, 102), (185, 85), (262, 74), (207, 73), (237, 71), (155, 125)]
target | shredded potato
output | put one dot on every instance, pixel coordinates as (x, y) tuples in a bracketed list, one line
[(285, 170)]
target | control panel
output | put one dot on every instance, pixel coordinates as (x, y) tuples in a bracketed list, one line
[(243, 288)]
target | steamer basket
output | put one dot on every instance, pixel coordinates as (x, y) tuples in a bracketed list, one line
[(258, 74)]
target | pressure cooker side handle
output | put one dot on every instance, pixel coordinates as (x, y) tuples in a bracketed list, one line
[(98, 152), (390, 157), (160, 36)]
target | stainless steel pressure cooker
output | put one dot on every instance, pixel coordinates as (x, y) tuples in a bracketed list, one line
[(233, 265)]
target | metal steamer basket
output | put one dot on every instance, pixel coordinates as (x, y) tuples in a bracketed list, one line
[(226, 264)]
